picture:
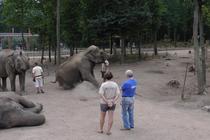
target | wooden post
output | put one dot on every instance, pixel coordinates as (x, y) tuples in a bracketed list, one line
[(185, 77)]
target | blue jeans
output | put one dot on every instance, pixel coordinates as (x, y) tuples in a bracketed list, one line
[(128, 112)]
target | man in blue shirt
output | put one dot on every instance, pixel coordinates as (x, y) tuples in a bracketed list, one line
[(128, 92)]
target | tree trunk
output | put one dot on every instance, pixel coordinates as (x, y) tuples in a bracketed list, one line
[(114, 48), (198, 62), (110, 43), (169, 33), (58, 33), (42, 44), (72, 50), (174, 37), (122, 50), (155, 42), (76, 49), (202, 46), (55, 53), (23, 40), (50, 48), (140, 42), (139, 46), (22, 28), (130, 45), (131, 49), (184, 35)]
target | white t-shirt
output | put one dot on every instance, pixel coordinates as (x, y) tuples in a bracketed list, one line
[(37, 71), (110, 90)]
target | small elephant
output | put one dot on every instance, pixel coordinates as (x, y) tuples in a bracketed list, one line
[(13, 63), (15, 110), (80, 68)]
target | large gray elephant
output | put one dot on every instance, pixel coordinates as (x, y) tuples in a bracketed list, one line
[(15, 110), (13, 63), (80, 68)]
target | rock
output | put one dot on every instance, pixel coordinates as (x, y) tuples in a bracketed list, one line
[(206, 108), (191, 68), (173, 84)]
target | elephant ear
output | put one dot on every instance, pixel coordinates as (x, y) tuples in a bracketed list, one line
[(91, 53), (10, 61)]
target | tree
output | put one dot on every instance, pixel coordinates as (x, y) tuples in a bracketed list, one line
[(199, 46), (157, 8), (177, 19), (72, 23), (17, 13)]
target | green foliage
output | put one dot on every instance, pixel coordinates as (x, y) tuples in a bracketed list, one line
[(16, 13), (70, 27), (86, 21), (206, 12), (116, 17)]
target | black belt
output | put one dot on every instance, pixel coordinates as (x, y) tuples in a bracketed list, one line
[(38, 76)]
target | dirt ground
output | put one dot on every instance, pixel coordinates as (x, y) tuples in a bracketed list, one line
[(159, 112)]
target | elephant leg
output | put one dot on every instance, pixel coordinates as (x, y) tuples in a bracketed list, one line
[(66, 87), (12, 78), (4, 84), (22, 118), (22, 82), (36, 109), (30, 106), (87, 76), (60, 81)]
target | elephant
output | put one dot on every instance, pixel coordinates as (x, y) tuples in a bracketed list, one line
[(17, 111), (13, 63), (80, 68)]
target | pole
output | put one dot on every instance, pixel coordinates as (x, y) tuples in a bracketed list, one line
[(185, 77), (58, 31)]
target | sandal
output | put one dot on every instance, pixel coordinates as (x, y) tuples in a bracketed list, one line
[(109, 133), (100, 131)]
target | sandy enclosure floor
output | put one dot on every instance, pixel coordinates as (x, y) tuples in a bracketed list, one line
[(159, 113)]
